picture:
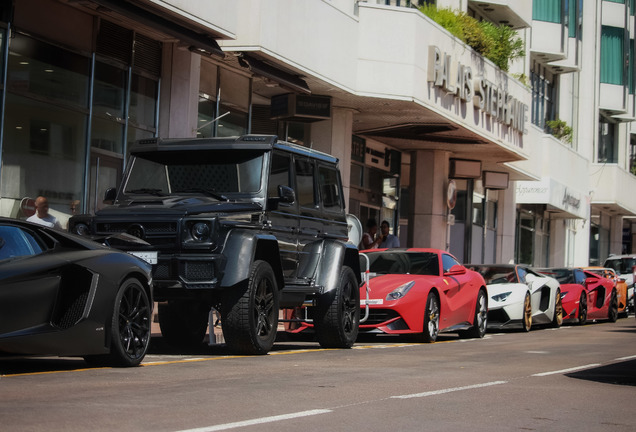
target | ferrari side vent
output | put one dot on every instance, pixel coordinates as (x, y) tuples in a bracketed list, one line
[(72, 297)]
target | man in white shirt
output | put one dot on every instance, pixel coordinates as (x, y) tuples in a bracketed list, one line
[(42, 216)]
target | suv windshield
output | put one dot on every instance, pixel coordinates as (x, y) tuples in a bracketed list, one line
[(214, 173)]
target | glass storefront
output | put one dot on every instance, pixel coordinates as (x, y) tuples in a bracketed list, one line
[(70, 116)]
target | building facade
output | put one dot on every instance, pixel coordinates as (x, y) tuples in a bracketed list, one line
[(454, 152)]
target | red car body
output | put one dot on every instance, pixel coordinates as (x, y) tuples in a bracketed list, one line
[(405, 285), (585, 295)]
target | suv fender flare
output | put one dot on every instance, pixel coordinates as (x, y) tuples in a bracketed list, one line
[(242, 248), (336, 254)]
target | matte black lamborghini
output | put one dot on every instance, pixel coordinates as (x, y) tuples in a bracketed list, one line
[(64, 295)]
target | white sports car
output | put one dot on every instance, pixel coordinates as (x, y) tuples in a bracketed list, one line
[(520, 296)]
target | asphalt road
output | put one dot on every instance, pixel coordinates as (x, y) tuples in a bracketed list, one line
[(572, 378)]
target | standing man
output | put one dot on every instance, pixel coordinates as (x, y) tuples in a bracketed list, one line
[(388, 240), (42, 216)]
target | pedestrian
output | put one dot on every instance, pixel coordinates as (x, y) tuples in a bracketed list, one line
[(42, 216), (387, 240)]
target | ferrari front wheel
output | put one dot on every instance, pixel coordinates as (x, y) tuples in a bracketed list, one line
[(480, 320), (431, 319)]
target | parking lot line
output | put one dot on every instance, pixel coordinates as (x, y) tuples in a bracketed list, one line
[(257, 421)]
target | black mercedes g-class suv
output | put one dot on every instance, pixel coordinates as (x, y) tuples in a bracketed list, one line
[(246, 225)]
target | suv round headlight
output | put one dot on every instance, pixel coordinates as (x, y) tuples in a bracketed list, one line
[(200, 231), (81, 229)]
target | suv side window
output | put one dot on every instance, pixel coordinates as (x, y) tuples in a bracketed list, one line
[(329, 188), (279, 174), (305, 183)]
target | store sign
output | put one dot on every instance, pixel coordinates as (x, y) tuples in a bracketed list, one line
[(551, 192), (490, 98)]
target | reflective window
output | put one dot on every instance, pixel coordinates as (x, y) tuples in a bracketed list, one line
[(329, 188), (16, 242), (305, 183), (448, 262), (144, 92), (46, 71)]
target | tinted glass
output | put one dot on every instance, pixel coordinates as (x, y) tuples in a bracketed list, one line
[(305, 183), (497, 275), (420, 263), (16, 242)]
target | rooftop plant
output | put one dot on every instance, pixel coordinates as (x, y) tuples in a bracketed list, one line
[(498, 43)]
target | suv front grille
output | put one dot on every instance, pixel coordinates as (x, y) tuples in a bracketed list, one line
[(149, 227), (198, 271)]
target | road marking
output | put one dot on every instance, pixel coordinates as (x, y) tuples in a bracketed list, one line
[(257, 421), (626, 358), (562, 371), (449, 390)]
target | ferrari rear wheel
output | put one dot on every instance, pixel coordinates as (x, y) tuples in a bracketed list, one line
[(431, 319), (527, 313), (612, 313), (130, 327), (582, 318), (557, 320), (480, 320)]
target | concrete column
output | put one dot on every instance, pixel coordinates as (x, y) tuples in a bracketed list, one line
[(506, 224), (429, 181), (616, 236), (179, 93)]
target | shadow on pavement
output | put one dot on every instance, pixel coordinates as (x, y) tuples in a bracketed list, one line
[(623, 373)]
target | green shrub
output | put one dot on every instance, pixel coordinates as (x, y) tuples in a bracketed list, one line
[(560, 130), (498, 43)]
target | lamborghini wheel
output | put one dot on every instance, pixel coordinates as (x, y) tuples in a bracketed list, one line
[(557, 320)]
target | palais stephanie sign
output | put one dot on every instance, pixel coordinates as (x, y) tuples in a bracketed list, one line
[(488, 97)]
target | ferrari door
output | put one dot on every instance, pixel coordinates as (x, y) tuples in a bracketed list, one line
[(459, 295)]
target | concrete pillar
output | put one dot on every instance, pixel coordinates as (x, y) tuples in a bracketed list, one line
[(506, 224), (429, 181), (179, 93), (616, 236)]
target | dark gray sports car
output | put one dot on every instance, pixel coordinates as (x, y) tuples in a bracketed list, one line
[(64, 295)]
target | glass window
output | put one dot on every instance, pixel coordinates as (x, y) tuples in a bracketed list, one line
[(46, 71), (144, 92), (612, 55), (279, 174), (107, 135), (207, 109), (305, 183), (632, 69), (329, 188), (607, 142), (43, 152), (109, 91), (546, 10), (448, 262), (16, 242)]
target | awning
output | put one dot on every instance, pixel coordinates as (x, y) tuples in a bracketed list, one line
[(283, 78), (199, 42)]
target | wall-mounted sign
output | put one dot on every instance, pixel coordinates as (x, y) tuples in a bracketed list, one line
[(297, 107), (495, 180), (554, 194), (463, 168), (490, 98)]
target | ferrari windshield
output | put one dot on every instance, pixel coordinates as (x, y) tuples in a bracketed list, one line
[(212, 173), (420, 263)]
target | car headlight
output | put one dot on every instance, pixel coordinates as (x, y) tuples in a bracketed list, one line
[(81, 229), (400, 291), (200, 231), (501, 297)]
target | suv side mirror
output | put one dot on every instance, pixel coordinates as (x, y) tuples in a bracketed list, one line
[(286, 195), (110, 195)]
